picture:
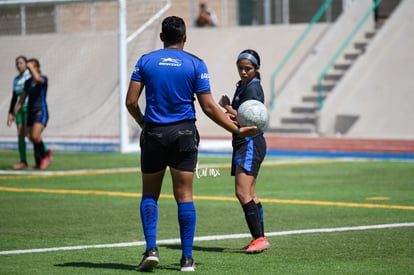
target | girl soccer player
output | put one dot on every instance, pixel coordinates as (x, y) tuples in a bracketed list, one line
[(20, 117), (37, 112), (248, 152)]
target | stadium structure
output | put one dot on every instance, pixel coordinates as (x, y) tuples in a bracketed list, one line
[(337, 74)]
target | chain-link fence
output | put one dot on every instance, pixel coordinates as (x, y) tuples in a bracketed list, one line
[(66, 17)]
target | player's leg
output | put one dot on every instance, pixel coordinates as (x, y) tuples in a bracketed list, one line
[(183, 193), (182, 161), (260, 208), (21, 137), (35, 135), (153, 167), (249, 157), (259, 205), (259, 155), (151, 188), (244, 185)]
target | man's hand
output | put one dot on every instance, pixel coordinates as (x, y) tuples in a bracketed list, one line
[(247, 131)]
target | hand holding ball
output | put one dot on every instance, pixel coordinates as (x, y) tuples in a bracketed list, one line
[(252, 113)]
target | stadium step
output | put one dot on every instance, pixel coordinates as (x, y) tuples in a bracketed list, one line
[(304, 109), (351, 56), (325, 87), (333, 77), (360, 46), (342, 67), (313, 98), (300, 119)]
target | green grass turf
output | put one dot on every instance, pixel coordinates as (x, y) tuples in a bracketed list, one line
[(32, 219)]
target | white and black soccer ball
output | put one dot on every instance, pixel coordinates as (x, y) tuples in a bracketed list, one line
[(252, 113)]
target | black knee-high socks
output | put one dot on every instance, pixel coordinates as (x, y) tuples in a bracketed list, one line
[(39, 151), (261, 216), (252, 215)]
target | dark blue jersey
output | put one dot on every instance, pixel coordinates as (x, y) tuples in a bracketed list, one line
[(171, 77), (37, 94), (252, 90)]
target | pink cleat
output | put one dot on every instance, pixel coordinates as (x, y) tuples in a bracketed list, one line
[(44, 163), (257, 245), (49, 154), (20, 165)]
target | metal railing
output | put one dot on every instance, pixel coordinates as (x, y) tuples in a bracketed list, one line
[(292, 50), (341, 49)]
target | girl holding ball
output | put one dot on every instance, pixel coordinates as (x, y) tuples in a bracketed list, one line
[(249, 152)]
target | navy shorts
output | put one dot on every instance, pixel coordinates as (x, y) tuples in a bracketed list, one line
[(39, 116), (174, 145), (248, 154)]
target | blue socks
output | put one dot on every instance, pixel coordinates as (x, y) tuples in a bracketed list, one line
[(187, 222), (149, 219)]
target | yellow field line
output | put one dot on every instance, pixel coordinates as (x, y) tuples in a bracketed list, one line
[(12, 175), (212, 198)]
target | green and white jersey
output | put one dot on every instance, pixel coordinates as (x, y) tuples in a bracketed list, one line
[(18, 85)]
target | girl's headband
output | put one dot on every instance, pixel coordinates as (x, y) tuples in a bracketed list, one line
[(248, 56)]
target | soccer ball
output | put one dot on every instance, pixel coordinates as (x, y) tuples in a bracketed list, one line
[(252, 113)]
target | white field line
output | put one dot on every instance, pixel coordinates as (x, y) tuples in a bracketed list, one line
[(211, 238)]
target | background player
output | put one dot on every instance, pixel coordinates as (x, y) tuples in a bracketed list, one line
[(20, 117), (37, 112)]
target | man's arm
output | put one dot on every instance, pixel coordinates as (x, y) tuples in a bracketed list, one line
[(134, 92), (213, 111)]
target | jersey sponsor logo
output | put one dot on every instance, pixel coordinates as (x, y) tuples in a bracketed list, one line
[(205, 76), (168, 61)]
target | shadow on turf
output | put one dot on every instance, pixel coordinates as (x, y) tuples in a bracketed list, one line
[(134, 267), (98, 265), (175, 267), (205, 249)]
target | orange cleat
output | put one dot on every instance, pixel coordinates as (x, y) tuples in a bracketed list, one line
[(49, 154), (44, 163), (257, 245), (20, 165)]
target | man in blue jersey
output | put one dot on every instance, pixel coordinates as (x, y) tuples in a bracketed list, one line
[(173, 79)]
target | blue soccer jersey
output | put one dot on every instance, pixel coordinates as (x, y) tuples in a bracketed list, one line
[(171, 77), (252, 90), (37, 94)]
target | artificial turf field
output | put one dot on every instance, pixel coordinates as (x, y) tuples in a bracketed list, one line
[(81, 216)]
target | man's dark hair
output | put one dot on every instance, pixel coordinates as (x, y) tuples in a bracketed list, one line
[(173, 29)]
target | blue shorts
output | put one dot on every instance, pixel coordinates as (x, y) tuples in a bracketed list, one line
[(37, 116), (248, 154), (174, 145)]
